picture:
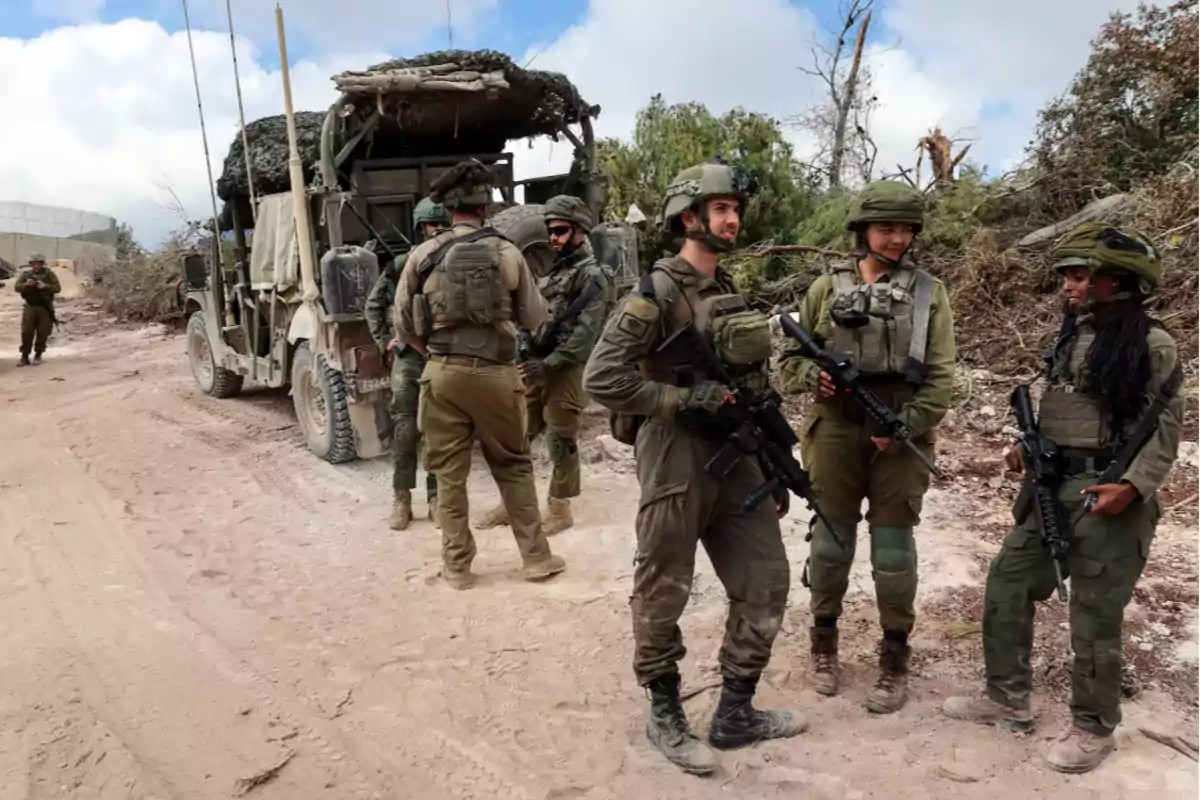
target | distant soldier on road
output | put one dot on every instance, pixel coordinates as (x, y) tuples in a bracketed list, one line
[(460, 298), (429, 219), (37, 285), (577, 291)]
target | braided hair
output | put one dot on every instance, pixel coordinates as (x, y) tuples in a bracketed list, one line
[(1119, 358)]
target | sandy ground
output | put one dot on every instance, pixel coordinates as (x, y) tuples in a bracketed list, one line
[(192, 606)]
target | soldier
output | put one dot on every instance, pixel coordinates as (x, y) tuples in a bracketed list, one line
[(429, 219), (458, 298), (893, 321), (37, 285), (671, 416), (1113, 380), (577, 291)]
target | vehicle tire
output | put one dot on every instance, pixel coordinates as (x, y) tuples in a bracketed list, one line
[(212, 379), (319, 395)]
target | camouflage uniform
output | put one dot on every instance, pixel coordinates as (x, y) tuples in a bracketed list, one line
[(836, 442), (1106, 553), (680, 503), (407, 365), (37, 319), (470, 387), (555, 398)]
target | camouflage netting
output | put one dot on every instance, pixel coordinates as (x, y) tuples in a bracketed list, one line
[(269, 155), (451, 102)]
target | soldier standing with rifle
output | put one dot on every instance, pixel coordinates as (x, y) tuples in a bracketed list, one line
[(460, 298), (37, 285), (577, 292), (891, 322), (429, 219), (1113, 413), (673, 416)]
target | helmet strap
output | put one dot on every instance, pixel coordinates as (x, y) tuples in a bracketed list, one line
[(713, 242)]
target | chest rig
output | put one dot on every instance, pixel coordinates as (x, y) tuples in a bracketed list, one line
[(740, 334), (883, 327), (1067, 414)]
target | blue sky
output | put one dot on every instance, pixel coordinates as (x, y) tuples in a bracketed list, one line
[(126, 138)]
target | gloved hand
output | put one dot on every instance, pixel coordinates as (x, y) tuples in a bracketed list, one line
[(533, 372), (704, 396), (783, 501)]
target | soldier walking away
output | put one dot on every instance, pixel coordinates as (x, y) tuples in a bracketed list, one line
[(429, 219), (37, 285), (1113, 409), (577, 291), (892, 321), (672, 416), (460, 297)]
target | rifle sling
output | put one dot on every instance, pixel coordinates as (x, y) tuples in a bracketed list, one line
[(589, 293), (1133, 443)]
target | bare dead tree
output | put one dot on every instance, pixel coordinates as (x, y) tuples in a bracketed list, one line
[(942, 159), (841, 125)]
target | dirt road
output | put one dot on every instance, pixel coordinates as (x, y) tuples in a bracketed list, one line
[(192, 606)]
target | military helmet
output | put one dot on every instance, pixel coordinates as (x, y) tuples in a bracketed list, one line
[(697, 184), (430, 212), (468, 184), (36, 257), (570, 209), (1103, 247), (887, 201)]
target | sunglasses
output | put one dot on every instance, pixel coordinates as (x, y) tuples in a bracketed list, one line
[(559, 230)]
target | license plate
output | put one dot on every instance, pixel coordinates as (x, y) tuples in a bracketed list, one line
[(365, 385)]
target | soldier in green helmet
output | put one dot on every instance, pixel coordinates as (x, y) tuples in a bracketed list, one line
[(893, 322), (1112, 400), (429, 219), (461, 297), (669, 414), (577, 292), (37, 285)]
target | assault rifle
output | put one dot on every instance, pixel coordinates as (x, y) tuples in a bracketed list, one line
[(1042, 477), (530, 346), (849, 381), (751, 424)]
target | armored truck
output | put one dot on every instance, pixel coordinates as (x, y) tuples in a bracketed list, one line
[(279, 317)]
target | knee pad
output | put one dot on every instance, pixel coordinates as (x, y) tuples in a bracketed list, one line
[(893, 549), (825, 548), (559, 447)]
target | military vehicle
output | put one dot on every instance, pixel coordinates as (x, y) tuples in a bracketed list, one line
[(288, 310)]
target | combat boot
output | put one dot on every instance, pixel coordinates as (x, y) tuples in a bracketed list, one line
[(24, 362), (542, 570), (557, 517), (737, 723), (987, 711), (401, 510), (891, 690), (458, 578), (493, 519), (37, 358), (667, 729), (825, 669), (1078, 750)]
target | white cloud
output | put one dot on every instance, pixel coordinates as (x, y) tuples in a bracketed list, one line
[(109, 118), (103, 117)]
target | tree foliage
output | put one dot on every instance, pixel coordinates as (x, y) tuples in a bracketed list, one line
[(1129, 114), (668, 139)]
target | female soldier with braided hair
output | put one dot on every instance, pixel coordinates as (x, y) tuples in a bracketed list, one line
[(1113, 384)]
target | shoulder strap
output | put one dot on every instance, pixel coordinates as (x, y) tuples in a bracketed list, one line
[(922, 308), (1141, 434), (439, 253), (1066, 332), (843, 280)]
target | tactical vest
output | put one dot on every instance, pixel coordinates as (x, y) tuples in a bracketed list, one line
[(739, 333), (1067, 415), (470, 298), (895, 317)]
